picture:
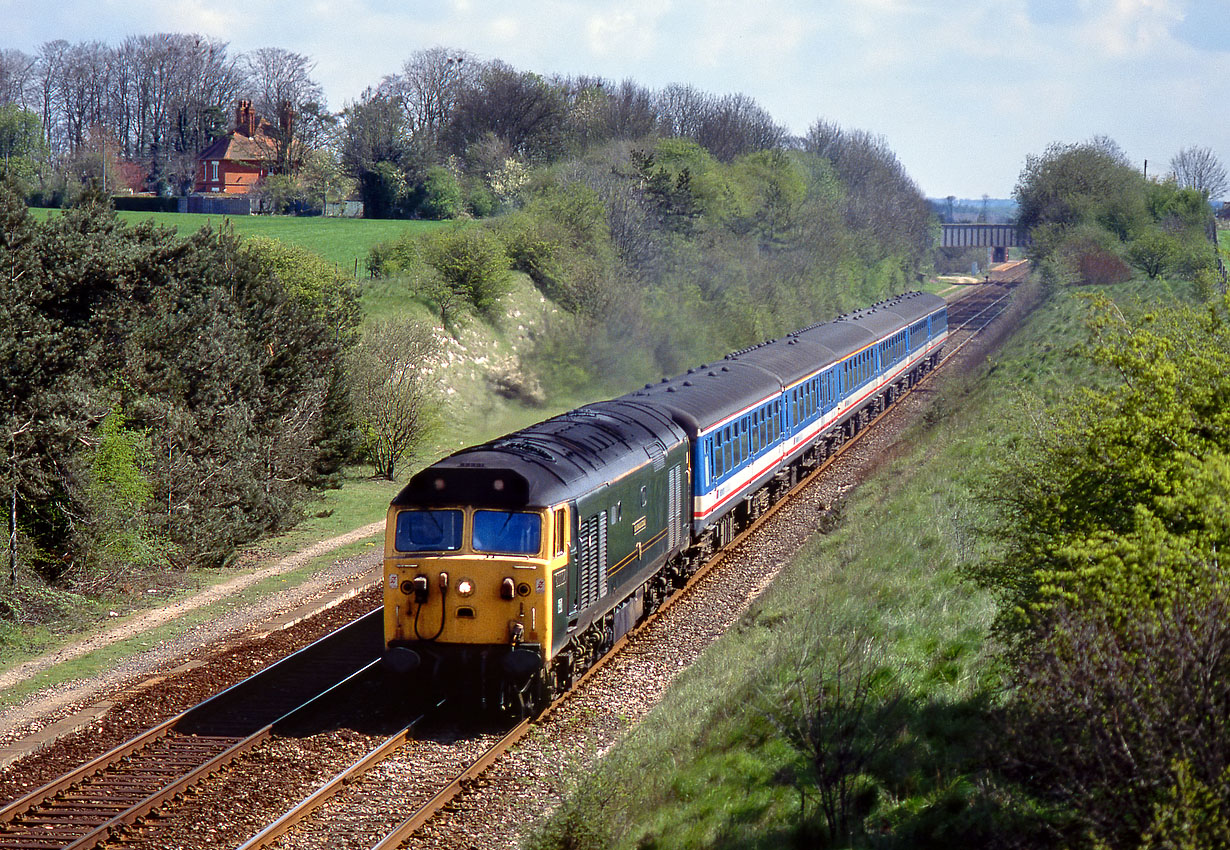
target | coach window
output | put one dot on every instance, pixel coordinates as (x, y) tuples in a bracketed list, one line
[(728, 455)]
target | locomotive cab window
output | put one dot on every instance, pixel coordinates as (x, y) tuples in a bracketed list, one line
[(428, 531), (561, 531), (507, 532)]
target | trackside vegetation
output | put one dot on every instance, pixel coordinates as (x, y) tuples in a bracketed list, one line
[(660, 255), (1015, 635)]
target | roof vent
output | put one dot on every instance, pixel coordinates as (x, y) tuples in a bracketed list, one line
[(687, 383)]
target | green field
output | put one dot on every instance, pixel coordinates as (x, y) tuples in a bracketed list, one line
[(343, 241)]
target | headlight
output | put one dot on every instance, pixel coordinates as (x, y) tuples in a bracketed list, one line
[(465, 587)]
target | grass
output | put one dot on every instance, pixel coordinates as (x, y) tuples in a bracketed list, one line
[(342, 241), (106, 658), (709, 767)]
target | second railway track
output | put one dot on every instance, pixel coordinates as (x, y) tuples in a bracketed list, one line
[(96, 802)]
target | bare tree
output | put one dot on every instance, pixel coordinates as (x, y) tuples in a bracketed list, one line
[(523, 110), (392, 393), (16, 76), (839, 709), (737, 125), (682, 110), (47, 80), (1199, 168), (430, 86), (285, 94)]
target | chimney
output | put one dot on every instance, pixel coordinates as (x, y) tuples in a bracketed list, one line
[(245, 119), (286, 119)]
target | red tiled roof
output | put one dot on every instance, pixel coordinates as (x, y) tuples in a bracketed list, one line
[(236, 147)]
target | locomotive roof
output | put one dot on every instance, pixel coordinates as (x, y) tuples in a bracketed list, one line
[(550, 462)]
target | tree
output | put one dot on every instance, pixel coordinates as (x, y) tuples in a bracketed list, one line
[(525, 112), (1088, 182), (1114, 603), (1199, 168), (285, 94), (1153, 252), (22, 148), (471, 261), (115, 493), (840, 710), (431, 84), (377, 153), (1102, 505), (392, 391), (441, 194), (881, 202)]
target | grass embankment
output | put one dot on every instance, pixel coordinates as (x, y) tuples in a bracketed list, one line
[(710, 767)]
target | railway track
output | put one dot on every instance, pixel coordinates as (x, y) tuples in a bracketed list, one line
[(968, 315), (99, 800)]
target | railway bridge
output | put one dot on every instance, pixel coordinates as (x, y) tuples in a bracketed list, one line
[(997, 238)]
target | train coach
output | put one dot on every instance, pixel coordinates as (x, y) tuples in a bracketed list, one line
[(512, 566)]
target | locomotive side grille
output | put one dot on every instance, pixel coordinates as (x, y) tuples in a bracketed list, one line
[(601, 571), (592, 560), (589, 539)]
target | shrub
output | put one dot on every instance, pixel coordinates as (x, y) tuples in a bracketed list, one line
[(471, 262), (441, 194), (1099, 267)]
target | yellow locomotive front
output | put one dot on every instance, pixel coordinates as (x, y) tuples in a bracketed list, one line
[(467, 594)]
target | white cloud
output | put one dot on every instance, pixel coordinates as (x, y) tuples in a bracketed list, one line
[(630, 31)]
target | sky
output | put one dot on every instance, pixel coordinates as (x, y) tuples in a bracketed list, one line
[(962, 90)]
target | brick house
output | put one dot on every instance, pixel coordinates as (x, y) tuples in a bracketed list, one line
[(236, 162)]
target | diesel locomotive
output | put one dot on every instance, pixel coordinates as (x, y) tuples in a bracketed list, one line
[(510, 567)]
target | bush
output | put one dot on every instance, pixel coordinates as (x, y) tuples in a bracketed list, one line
[(1099, 267), (441, 194), (1106, 707), (472, 263)]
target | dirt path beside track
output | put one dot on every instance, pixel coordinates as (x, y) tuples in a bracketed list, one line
[(320, 590)]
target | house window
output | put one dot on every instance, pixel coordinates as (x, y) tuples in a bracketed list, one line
[(215, 171)]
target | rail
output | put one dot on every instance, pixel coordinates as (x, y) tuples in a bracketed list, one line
[(96, 801), (446, 795)]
